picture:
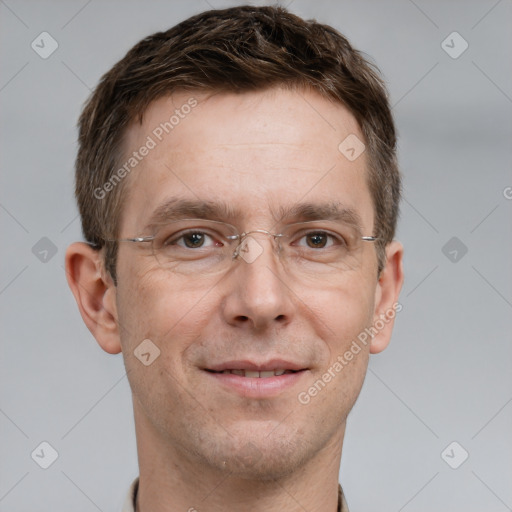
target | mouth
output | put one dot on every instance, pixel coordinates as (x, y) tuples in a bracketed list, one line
[(255, 374), (253, 380)]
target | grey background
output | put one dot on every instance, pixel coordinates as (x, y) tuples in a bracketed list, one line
[(446, 375)]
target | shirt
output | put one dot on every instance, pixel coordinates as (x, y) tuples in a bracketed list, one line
[(129, 504)]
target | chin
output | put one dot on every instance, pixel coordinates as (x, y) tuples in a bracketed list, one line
[(263, 455)]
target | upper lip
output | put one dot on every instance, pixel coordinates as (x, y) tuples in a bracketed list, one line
[(273, 364)]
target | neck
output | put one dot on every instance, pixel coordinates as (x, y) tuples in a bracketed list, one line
[(172, 481)]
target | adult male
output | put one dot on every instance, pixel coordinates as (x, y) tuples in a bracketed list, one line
[(238, 189)]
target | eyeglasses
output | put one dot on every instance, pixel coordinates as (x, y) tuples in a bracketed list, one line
[(200, 246)]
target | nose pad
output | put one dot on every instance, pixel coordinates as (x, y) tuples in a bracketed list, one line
[(249, 249)]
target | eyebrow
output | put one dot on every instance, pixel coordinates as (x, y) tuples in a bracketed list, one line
[(334, 211), (176, 208)]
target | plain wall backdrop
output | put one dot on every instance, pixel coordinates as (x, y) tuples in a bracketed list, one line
[(445, 378)]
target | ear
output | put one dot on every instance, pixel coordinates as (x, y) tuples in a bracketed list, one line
[(386, 297), (95, 294)]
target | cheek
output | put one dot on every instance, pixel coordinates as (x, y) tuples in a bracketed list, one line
[(350, 316), (336, 384), (340, 313), (153, 306), (172, 320)]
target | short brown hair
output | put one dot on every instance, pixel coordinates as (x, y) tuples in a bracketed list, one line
[(238, 49)]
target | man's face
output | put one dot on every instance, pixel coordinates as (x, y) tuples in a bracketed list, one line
[(260, 153)]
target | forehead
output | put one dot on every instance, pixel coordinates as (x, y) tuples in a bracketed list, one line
[(259, 151)]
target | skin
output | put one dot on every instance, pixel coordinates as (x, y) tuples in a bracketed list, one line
[(201, 444)]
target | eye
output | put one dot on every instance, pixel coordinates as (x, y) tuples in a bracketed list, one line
[(319, 240), (193, 239)]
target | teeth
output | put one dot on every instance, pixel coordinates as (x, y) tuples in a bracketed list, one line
[(255, 375)]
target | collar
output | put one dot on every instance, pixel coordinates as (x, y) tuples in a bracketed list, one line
[(129, 504)]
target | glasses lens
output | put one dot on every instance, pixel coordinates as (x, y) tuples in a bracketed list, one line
[(322, 247), (189, 246)]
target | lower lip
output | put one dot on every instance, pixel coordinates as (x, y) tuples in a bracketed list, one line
[(258, 387)]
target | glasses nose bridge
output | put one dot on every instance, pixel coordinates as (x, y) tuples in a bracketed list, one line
[(243, 236)]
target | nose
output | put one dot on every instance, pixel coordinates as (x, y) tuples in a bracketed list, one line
[(257, 293)]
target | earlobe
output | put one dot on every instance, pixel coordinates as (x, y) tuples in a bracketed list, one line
[(95, 293), (386, 297)]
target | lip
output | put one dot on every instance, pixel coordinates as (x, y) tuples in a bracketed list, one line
[(273, 364), (255, 387)]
